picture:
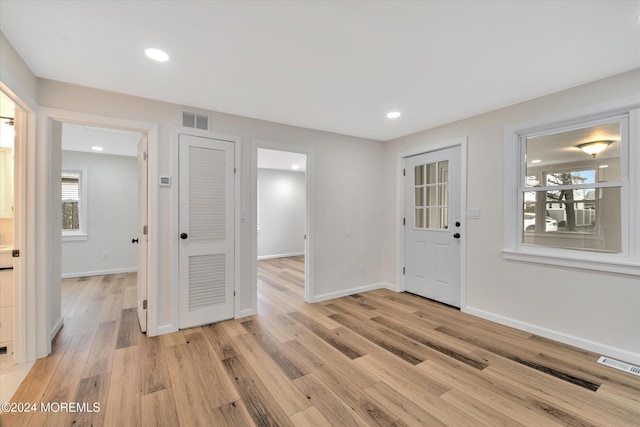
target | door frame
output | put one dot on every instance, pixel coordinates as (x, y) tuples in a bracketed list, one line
[(309, 258), (30, 333), (400, 209), (52, 231), (238, 218)]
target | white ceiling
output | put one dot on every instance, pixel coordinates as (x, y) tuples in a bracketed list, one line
[(338, 66), (275, 159), (118, 142)]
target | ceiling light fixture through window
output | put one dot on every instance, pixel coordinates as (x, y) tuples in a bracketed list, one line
[(96, 148), (157, 54), (393, 114)]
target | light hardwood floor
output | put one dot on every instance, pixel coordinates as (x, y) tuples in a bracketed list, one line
[(377, 358)]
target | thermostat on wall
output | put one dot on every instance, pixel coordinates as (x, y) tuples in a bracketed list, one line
[(165, 181)]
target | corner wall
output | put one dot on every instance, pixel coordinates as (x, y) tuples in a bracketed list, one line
[(600, 311)]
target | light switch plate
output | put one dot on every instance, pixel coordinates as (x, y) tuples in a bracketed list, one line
[(473, 213)]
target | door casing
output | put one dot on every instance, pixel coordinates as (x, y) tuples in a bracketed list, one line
[(400, 209)]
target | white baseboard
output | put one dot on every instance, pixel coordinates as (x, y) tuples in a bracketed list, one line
[(261, 257), (573, 340), (165, 329), (352, 291), (56, 328), (99, 272), (246, 313)]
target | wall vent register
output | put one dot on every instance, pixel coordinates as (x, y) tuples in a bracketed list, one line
[(195, 121)]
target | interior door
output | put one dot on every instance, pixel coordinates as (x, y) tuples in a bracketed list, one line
[(143, 240), (206, 173), (433, 225)]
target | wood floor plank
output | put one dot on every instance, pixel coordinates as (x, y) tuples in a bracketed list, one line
[(158, 409), (123, 402), (101, 355), (261, 405), (274, 379), (155, 373), (374, 358), (92, 391)]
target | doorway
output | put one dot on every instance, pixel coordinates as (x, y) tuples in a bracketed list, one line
[(282, 222), (433, 224), (103, 212)]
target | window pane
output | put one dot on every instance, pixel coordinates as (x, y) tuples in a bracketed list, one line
[(431, 195), (420, 196), (443, 171), (444, 218), (70, 217), (431, 173), (419, 175), (558, 160), (420, 218), (574, 219), (431, 218), (443, 195)]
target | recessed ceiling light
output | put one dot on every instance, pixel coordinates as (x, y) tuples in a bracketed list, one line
[(157, 54), (536, 161), (96, 148), (295, 167), (393, 114)]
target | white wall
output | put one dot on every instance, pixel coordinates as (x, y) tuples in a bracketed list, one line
[(348, 219), (596, 310), (281, 213), (112, 216)]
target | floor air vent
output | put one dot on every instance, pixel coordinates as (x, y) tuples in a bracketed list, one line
[(619, 365)]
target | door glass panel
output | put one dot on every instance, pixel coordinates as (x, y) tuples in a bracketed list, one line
[(420, 218), (419, 175), (432, 191), (443, 171), (431, 173), (420, 196), (443, 222)]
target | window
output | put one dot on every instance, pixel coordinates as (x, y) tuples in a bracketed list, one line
[(571, 193), (73, 190), (432, 195)]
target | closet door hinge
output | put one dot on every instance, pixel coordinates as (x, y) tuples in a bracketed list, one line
[(403, 270), (144, 304)]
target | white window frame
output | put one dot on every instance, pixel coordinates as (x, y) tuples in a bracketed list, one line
[(626, 262), (81, 233)]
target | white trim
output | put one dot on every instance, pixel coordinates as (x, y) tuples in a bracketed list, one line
[(262, 257), (627, 262), (76, 237), (353, 291), (56, 328), (27, 320), (99, 272), (428, 148), (246, 313), (166, 329), (556, 335), (151, 129), (309, 252), (175, 223)]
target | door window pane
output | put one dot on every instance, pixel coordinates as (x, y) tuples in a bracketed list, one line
[(432, 192)]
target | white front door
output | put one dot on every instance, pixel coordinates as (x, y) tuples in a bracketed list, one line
[(142, 233), (433, 225), (206, 173)]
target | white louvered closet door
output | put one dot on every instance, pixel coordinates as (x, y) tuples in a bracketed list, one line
[(206, 230)]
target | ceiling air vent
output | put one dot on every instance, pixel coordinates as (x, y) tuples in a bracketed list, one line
[(619, 365), (196, 121)]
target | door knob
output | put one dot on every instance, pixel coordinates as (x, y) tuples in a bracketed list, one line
[(134, 240), (183, 236), (456, 235)]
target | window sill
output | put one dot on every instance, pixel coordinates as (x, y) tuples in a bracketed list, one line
[(74, 237), (588, 261)]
